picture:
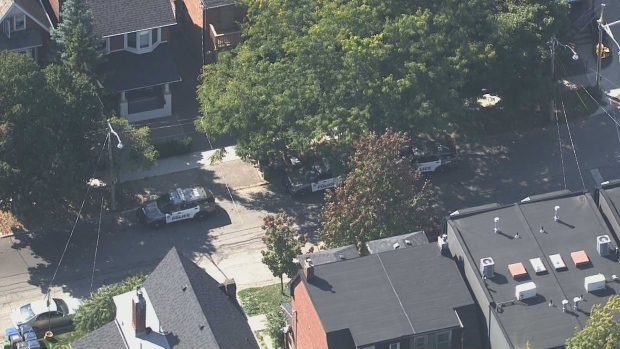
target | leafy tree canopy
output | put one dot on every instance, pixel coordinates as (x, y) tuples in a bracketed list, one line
[(381, 196), (602, 330), (283, 245), (99, 308), (312, 68)]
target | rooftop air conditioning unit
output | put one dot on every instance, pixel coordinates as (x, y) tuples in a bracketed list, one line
[(525, 291), (486, 267), (594, 282), (603, 245)]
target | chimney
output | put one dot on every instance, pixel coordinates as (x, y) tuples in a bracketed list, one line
[(308, 268), (138, 312), (230, 287)]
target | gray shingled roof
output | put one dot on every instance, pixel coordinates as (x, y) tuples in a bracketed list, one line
[(106, 337), (403, 241), (203, 303), (331, 255), (407, 291), (129, 71), (114, 17), (32, 8)]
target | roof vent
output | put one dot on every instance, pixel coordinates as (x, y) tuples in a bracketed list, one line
[(594, 282), (496, 221), (396, 245), (556, 217), (603, 245), (184, 288), (341, 257), (442, 242), (408, 242), (486, 267), (525, 291)]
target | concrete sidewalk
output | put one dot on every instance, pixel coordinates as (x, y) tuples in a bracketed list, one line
[(180, 163)]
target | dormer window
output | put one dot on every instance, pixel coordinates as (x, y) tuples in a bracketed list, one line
[(142, 41)]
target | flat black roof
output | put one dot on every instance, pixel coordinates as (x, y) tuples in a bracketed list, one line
[(330, 256), (402, 241), (388, 295), (579, 225)]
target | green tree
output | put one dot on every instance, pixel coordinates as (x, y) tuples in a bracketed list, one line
[(309, 69), (75, 43), (137, 152), (276, 322), (602, 330), (99, 308), (380, 197), (283, 245), (47, 131)]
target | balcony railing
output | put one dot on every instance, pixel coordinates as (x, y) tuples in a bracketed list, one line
[(224, 40)]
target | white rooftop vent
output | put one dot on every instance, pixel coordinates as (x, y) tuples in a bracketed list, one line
[(486, 267), (594, 282), (442, 242), (525, 291), (396, 245), (603, 243)]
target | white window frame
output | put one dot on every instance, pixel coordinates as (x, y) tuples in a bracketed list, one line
[(22, 16), (449, 333), (151, 46), (394, 345), (416, 344)]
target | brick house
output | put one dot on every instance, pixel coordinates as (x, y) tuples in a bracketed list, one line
[(211, 25), (25, 28), (139, 65), (410, 296)]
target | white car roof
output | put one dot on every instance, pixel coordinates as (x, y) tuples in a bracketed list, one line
[(39, 307)]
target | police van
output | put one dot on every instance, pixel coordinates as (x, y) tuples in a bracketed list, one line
[(432, 156), (313, 175), (177, 205)]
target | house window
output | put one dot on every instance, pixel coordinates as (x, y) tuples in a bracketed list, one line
[(395, 346), (131, 40), (145, 39), (154, 36), (420, 342), (19, 22), (442, 340)]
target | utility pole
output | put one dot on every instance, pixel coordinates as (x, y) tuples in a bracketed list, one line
[(600, 48), (553, 42), (111, 160)]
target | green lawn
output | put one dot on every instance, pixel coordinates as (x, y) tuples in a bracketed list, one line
[(262, 300), (60, 340)]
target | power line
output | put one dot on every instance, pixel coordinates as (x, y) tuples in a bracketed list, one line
[(557, 123), (92, 278), (49, 287), (572, 143)]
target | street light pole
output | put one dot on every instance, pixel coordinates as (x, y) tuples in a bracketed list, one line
[(553, 40), (600, 47), (111, 160)]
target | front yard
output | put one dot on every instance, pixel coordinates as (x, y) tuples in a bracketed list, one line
[(263, 300)]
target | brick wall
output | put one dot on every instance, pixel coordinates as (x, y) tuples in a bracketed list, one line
[(192, 21), (307, 328)]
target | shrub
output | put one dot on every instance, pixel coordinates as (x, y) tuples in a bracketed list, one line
[(174, 147), (275, 323)]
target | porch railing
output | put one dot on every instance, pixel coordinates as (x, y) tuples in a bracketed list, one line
[(226, 39)]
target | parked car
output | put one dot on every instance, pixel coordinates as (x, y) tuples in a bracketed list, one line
[(177, 205), (432, 156), (40, 316)]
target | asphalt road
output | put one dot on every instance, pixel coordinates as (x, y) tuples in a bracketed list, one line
[(503, 169)]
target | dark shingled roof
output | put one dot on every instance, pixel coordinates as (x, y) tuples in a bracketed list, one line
[(106, 337), (387, 244), (20, 40), (115, 17), (331, 255), (203, 303), (382, 296), (533, 319), (129, 71)]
